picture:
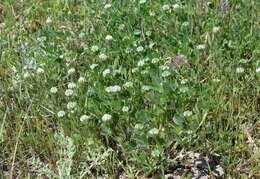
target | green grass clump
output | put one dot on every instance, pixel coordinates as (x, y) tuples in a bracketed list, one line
[(105, 88)]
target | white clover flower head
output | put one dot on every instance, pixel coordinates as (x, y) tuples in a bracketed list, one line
[(69, 92), (39, 70), (153, 131), (176, 6), (146, 88), (201, 47), (128, 84), (155, 60), (94, 48), (102, 56), (140, 49), (71, 71), (184, 81), (54, 90), (71, 85), (216, 80), (81, 79), (257, 70), (215, 29), (128, 50), (48, 20), (165, 7), (142, 1), (185, 23), (26, 75), (71, 105), (84, 118), (14, 69), (106, 117), (125, 109), (93, 66), (109, 37), (134, 70), (106, 72), (139, 126), (187, 113), (151, 13), (140, 63), (107, 6), (113, 89), (240, 70), (61, 114), (166, 73), (164, 67)]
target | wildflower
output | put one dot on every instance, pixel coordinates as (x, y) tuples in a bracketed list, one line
[(128, 84), (185, 23), (153, 131), (72, 85), (257, 70), (54, 90), (128, 50), (106, 72), (201, 46), (215, 29), (134, 70), (184, 81), (93, 66), (48, 20), (71, 71), (69, 92), (115, 88), (216, 80), (164, 67), (142, 1), (94, 48), (61, 113), (151, 13), (166, 73), (145, 88), (90, 92), (165, 7), (14, 69), (109, 37), (139, 49), (107, 6), (125, 109), (121, 26), (176, 6), (106, 117), (139, 126), (81, 79), (71, 105), (40, 70), (240, 70), (84, 118), (103, 56), (26, 75), (140, 63), (187, 113), (155, 60)]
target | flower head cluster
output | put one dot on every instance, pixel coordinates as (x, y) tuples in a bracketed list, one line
[(113, 89), (106, 117)]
